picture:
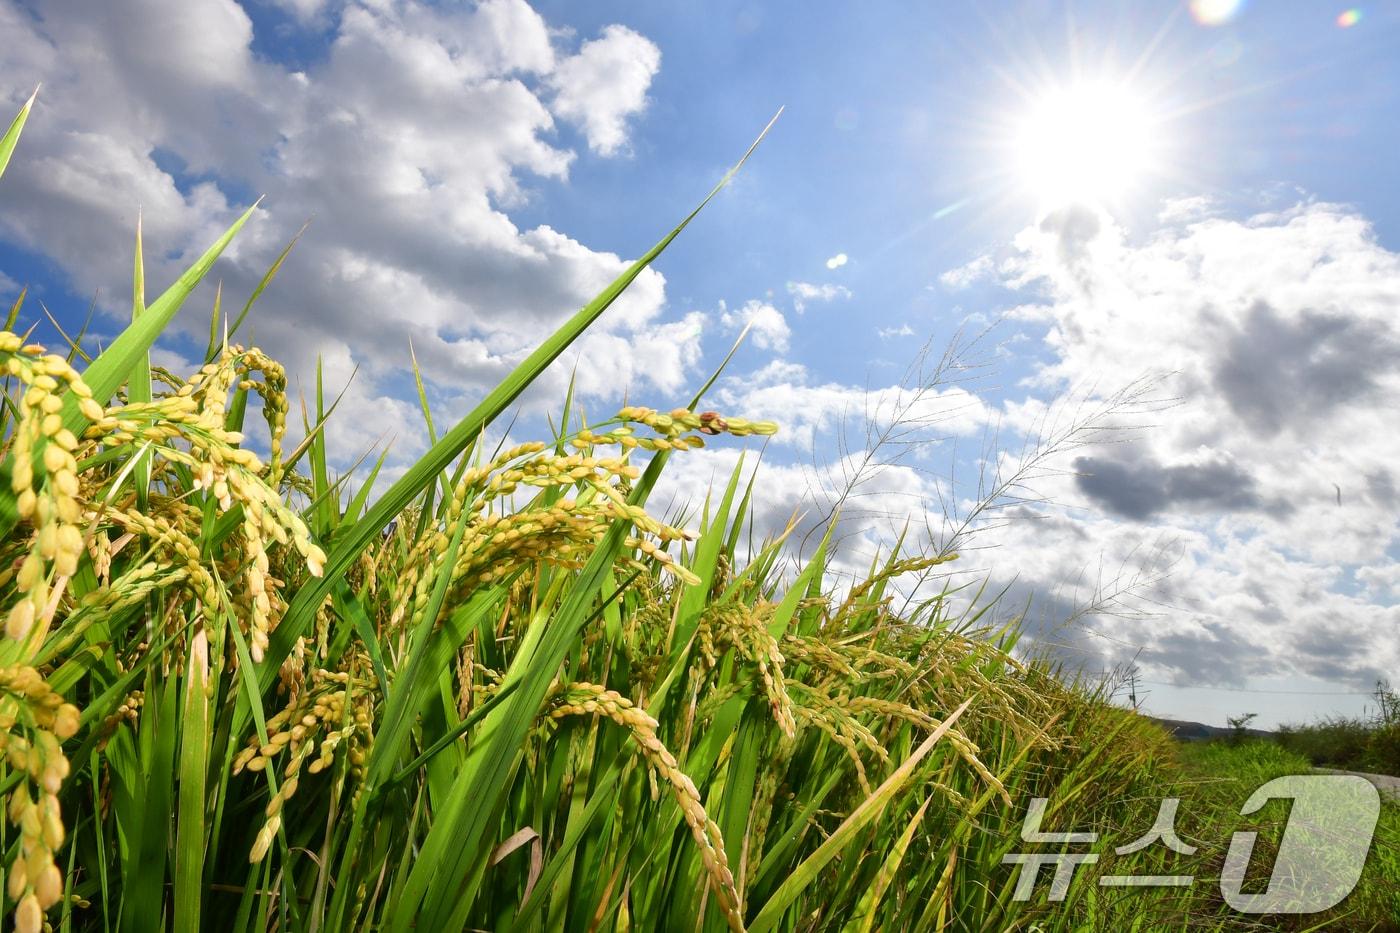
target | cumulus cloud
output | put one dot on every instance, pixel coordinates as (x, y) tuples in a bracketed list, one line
[(1381, 582), (813, 412), (1280, 371), (966, 274), (605, 84), (409, 143), (804, 292), (1279, 334), (1139, 487), (1187, 210), (768, 329)]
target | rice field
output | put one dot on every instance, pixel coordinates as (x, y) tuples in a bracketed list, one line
[(237, 693)]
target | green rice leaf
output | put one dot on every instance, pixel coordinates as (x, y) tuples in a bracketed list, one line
[(11, 137)]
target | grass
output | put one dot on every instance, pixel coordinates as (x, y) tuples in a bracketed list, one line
[(237, 695), (1349, 743), (1218, 776)]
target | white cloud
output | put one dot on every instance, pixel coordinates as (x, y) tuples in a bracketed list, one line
[(604, 84), (1279, 334), (887, 497), (1382, 582), (812, 412), (804, 292), (889, 333), (409, 144), (965, 275), (837, 261), (172, 362), (1187, 210), (768, 329)]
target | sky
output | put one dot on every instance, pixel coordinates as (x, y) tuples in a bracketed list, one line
[(1134, 266)]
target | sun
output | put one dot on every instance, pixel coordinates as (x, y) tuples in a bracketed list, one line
[(1085, 143)]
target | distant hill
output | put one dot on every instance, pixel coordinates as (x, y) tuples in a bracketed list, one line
[(1199, 732)]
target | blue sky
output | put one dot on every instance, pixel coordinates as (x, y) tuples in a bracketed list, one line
[(473, 172)]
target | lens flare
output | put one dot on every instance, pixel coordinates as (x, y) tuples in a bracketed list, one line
[(1215, 12), (1349, 18)]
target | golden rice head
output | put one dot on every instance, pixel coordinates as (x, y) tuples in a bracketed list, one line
[(34, 721), (187, 427), (581, 699), (45, 476), (333, 711)]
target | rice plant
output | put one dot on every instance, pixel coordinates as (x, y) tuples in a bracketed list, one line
[(236, 695)]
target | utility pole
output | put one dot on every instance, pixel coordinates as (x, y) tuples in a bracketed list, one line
[(1133, 686), (1388, 702)]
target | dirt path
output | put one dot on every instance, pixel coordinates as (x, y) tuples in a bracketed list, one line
[(1387, 785)]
